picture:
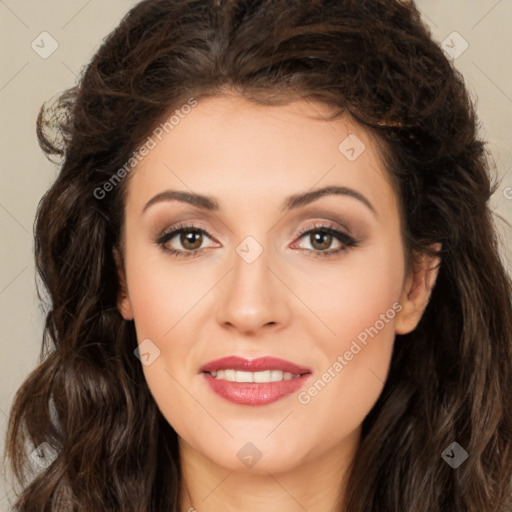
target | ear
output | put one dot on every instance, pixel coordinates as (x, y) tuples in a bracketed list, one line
[(123, 300), (416, 291)]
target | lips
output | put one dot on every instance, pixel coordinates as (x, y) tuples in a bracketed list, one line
[(253, 365), (254, 393)]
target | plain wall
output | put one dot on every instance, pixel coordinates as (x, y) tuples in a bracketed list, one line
[(78, 27)]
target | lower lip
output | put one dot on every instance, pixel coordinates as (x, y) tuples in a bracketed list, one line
[(252, 393)]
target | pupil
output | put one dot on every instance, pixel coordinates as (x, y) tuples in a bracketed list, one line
[(188, 238), (318, 237)]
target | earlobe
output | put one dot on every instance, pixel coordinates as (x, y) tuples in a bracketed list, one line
[(416, 291), (123, 300)]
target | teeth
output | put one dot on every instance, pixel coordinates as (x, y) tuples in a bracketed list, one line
[(260, 377)]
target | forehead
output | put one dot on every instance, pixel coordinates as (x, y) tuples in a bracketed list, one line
[(231, 148)]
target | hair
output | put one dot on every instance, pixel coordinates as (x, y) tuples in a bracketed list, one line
[(450, 379)]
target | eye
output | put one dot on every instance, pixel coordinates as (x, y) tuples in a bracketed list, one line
[(188, 238), (322, 237)]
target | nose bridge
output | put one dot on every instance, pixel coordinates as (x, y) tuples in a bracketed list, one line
[(251, 269), (251, 298)]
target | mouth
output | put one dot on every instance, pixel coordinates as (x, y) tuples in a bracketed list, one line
[(254, 366), (254, 382), (263, 377)]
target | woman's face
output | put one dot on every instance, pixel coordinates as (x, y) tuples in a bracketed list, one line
[(256, 275)]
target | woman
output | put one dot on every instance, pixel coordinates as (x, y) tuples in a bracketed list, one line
[(273, 272)]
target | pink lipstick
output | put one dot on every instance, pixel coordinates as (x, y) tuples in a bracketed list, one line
[(258, 381)]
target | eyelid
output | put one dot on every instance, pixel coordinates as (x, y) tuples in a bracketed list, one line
[(164, 236), (341, 235), (347, 220), (322, 225)]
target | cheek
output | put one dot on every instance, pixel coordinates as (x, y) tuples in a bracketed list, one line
[(166, 298), (162, 297), (359, 304), (350, 296), (371, 289), (162, 294)]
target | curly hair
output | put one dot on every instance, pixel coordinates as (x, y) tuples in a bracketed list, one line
[(450, 379)]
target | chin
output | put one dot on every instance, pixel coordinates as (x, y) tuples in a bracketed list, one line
[(256, 457)]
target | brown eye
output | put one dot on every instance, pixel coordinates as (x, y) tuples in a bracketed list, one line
[(191, 240), (320, 240), (325, 241), (185, 241)]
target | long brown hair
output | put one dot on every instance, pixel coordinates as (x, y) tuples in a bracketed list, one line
[(450, 379)]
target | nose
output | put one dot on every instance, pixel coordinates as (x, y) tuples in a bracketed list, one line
[(252, 298)]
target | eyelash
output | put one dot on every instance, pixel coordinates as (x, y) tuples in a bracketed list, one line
[(347, 241)]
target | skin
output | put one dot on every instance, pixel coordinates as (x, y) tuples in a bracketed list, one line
[(287, 303)]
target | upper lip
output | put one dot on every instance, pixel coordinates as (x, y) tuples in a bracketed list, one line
[(253, 365)]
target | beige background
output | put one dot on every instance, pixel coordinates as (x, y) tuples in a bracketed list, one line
[(78, 26)]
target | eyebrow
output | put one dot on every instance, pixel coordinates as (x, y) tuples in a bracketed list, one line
[(298, 200), (290, 203)]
